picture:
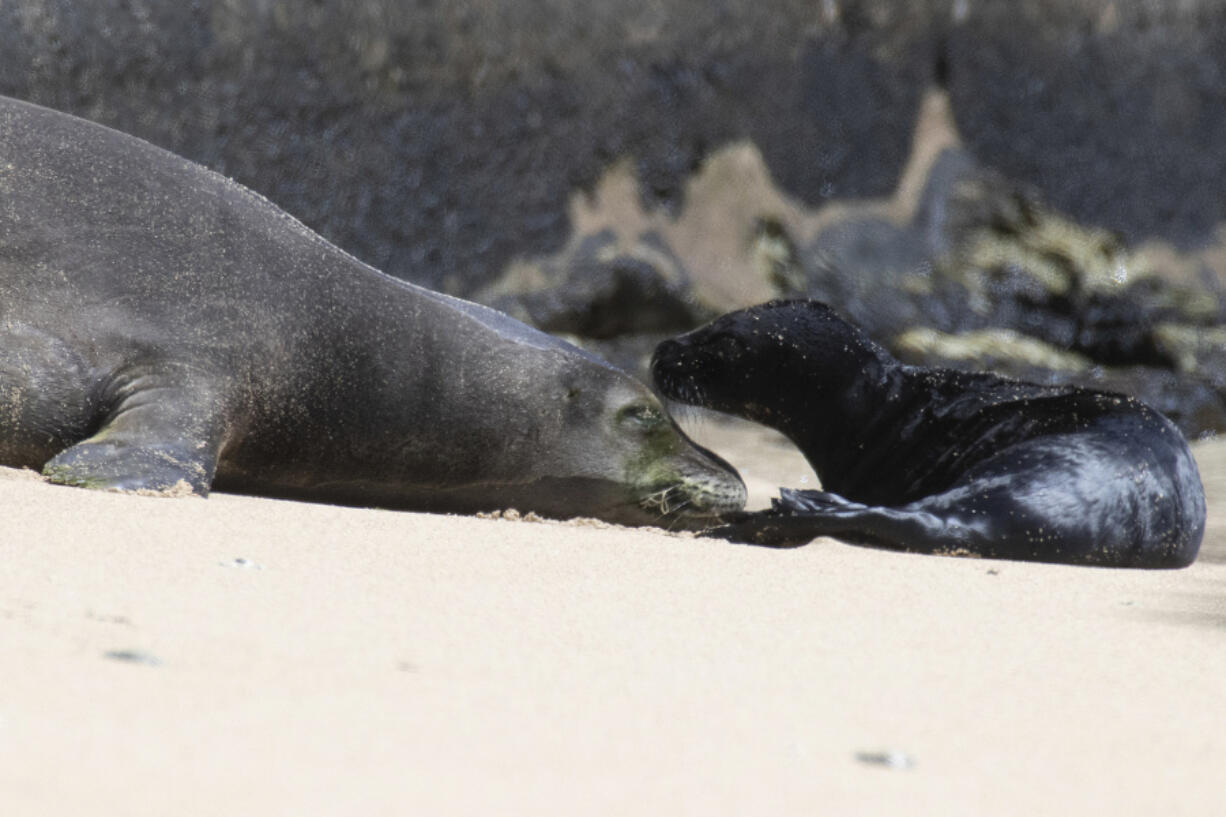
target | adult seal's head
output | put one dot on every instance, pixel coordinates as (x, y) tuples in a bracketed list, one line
[(164, 329), (933, 460)]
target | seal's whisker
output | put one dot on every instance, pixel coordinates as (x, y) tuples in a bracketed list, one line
[(662, 501), (671, 512), (677, 519)]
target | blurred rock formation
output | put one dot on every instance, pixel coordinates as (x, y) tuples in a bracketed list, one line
[(1035, 184)]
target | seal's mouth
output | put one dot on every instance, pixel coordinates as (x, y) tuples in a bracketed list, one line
[(684, 500)]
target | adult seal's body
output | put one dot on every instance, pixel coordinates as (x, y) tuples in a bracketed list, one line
[(163, 328), (932, 460)]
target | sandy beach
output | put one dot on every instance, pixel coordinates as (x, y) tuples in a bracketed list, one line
[(244, 656)]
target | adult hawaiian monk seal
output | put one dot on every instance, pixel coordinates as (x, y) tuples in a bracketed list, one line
[(162, 327), (932, 460)]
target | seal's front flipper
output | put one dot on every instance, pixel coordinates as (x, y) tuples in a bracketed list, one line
[(162, 434), (128, 465)]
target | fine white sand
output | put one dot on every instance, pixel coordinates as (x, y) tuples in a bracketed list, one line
[(241, 656)]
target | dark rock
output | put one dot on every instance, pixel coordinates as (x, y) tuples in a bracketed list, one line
[(601, 290), (986, 276), (1192, 399), (440, 141), (1115, 111)]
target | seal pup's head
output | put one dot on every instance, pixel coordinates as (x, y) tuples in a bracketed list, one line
[(772, 363)]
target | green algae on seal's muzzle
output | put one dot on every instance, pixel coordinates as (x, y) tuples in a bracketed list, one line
[(697, 498), (677, 481)]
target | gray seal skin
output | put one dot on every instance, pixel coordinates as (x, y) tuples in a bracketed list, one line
[(935, 460), (164, 329)]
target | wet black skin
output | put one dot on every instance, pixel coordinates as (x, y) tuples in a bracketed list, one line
[(932, 460)]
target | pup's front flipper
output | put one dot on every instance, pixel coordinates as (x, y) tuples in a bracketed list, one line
[(769, 528), (798, 517), (795, 518)]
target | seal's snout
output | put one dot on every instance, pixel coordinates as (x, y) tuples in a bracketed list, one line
[(706, 488)]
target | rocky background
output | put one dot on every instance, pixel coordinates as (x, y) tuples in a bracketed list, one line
[(1034, 185)]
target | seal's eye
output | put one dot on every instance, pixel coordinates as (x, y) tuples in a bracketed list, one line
[(640, 415)]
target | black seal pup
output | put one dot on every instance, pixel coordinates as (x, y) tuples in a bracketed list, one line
[(931, 460), (164, 329)]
